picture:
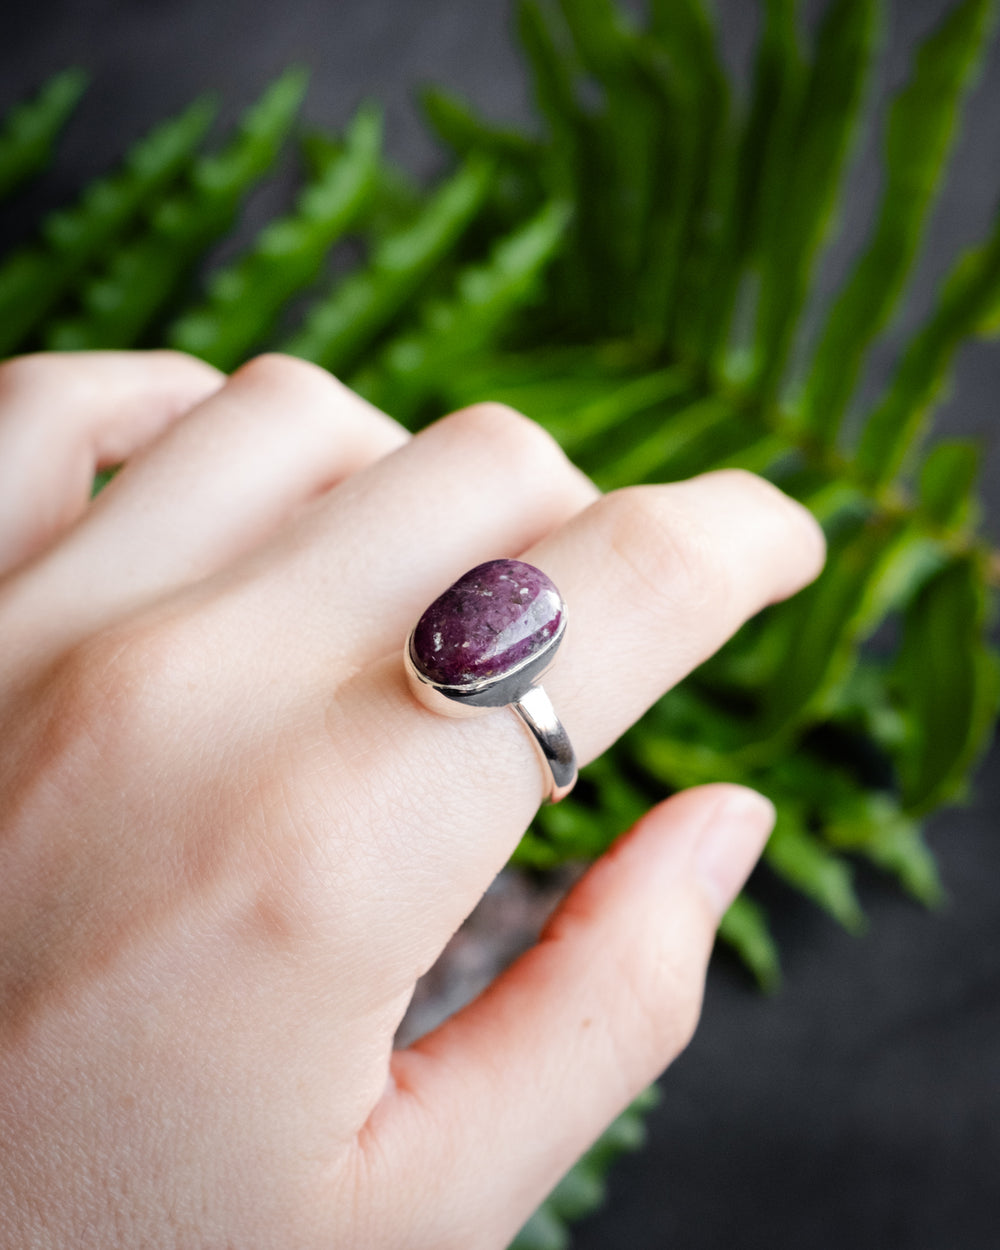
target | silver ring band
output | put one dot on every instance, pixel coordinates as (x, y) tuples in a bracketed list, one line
[(555, 750)]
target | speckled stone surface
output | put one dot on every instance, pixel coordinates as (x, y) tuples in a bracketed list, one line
[(492, 619)]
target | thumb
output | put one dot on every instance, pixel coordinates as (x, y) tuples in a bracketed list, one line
[(521, 1082)]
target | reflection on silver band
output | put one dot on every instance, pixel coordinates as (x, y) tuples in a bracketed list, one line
[(531, 704), (557, 755)]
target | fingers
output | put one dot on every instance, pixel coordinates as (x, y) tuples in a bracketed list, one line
[(279, 432), (482, 482), (65, 414), (656, 580), (681, 568), (563, 1040)]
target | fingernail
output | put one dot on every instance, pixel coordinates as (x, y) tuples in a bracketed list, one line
[(731, 844)]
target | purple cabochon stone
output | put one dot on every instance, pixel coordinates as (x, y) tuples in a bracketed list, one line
[(492, 619)]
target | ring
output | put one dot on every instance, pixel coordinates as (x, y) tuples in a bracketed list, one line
[(484, 644)]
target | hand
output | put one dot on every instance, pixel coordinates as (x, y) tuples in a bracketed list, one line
[(231, 840)]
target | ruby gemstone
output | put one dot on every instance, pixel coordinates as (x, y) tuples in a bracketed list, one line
[(491, 620)]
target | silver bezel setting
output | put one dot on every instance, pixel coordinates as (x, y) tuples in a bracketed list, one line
[(517, 689), (491, 692)]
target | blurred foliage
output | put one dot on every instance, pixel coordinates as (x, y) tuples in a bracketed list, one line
[(638, 276), (582, 1188)]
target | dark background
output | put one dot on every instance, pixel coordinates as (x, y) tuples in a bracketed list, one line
[(861, 1106)]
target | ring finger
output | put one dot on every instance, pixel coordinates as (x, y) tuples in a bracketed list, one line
[(656, 579)]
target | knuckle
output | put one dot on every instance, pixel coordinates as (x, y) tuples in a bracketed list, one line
[(763, 496), (184, 362), (744, 480), (751, 484), (664, 549), (80, 381), (120, 686), (757, 493), (18, 369), (792, 529), (99, 725), (28, 374), (276, 371), (319, 402), (504, 433)]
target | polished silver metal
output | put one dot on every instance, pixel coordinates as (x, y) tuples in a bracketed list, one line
[(551, 740), (519, 690)]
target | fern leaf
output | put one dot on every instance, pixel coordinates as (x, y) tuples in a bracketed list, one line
[(582, 1189), (697, 175), (744, 928), (29, 130), (805, 863), (458, 126), (948, 683), (690, 100), (778, 75), (656, 456), (900, 420), (409, 368), (33, 279), (948, 485), (395, 197), (625, 148), (590, 426), (922, 125), (575, 167), (555, 93), (120, 303), (804, 195), (685, 29), (358, 309), (543, 1231), (873, 824), (246, 298), (873, 565)]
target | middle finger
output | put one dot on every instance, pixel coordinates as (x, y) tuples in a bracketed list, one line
[(345, 582)]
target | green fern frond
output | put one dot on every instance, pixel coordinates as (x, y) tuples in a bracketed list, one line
[(809, 166), (143, 275), (35, 278), (921, 129), (582, 1189), (411, 368), (29, 131), (246, 298), (338, 327)]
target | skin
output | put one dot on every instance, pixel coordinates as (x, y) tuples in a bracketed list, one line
[(231, 841)]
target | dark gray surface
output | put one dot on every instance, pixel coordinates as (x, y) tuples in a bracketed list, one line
[(858, 1108), (861, 1107)]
